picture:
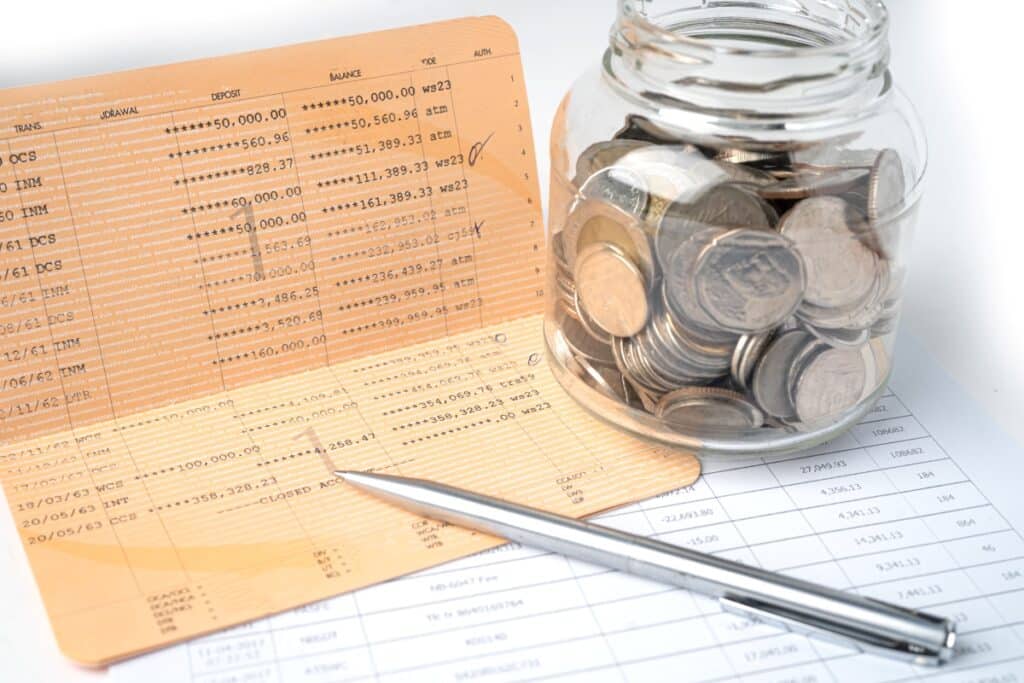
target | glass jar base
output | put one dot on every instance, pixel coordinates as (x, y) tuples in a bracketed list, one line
[(706, 443)]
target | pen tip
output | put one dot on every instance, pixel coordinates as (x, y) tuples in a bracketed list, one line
[(342, 473)]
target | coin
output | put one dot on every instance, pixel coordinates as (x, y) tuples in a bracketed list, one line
[(708, 407), (749, 281), (863, 313), (593, 220), (841, 269), (806, 185), (579, 342), (722, 206), (736, 156), (824, 158), (656, 362), (746, 354), (885, 198), (827, 382), (566, 293), (602, 155), (648, 400), (606, 380), (770, 381), (845, 338), (888, 317), (636, 368), (886, 186), (882, 363), (680, 287), (676, 359), (673, 174), (591, 327), (612, 289), (689, 328), (649, 373), (558, 249), (679, 291), (619, 186), (746, 175), (695, 351)]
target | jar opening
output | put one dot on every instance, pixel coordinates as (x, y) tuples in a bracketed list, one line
[(767, 28), (752, 58)]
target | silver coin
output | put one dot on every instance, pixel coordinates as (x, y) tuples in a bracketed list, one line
[(611, 289), (770, 381), (871, 309), (656, 381), (861, 314), (642, 371), (647, 399), (745, 356), (606, 380), (679, 284), (703, 335), (708, 407), (850, 338), (723, 206), (592, 220), (567, 296), (673, 174), (738, 156), (558, 251), (749, 281), (654, 356), (827, 382), (802, 186), (579, 342), (825, 158), (885, 325), (663, 376), (592, 328), (885, 199), (746, 175), (841, 269), (692, 350), (602, 155), (620, 186), (674, 359), (886, 186), (880, 362), (619, 356), (889, 317)]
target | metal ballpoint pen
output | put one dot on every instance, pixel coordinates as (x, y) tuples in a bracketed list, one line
[(799, 606)]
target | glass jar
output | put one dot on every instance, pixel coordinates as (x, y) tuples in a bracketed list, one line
[(733, 191)]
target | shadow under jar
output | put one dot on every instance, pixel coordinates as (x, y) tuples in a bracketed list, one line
[(733, 190)]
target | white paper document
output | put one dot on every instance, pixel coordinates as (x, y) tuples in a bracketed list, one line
[(918, 505)]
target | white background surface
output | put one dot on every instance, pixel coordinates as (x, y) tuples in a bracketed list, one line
[(958, 61)]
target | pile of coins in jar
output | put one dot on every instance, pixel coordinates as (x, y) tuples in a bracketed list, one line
[(727, 287)]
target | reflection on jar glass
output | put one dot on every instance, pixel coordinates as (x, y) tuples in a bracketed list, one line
[(733, 190)]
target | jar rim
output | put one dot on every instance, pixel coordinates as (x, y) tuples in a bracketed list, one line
[(873, 31)]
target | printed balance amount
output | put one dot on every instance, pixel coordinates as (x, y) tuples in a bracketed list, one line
[(480, 393), (265, 237)]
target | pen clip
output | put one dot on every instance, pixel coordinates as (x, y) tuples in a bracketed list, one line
[(837, 632)]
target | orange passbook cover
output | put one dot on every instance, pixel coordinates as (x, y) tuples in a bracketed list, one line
[(225, 278)]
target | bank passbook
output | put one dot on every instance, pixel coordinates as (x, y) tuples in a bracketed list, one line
[(224, 279)]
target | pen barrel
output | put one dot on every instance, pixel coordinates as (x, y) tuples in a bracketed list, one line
[(797, 605), (794, 604)]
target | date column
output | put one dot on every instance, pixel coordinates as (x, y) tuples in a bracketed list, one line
[(46, 346), (64, 490)]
